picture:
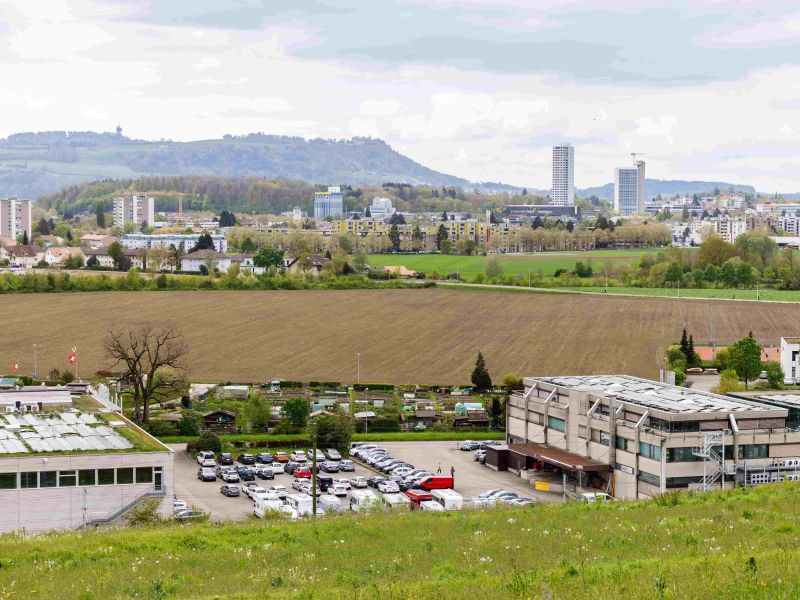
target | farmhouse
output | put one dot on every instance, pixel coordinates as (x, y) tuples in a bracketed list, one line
[(220, 421), (64, 469), (639, 438)]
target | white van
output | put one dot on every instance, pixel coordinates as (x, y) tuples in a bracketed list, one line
[(448, 499), (205, 458), (363, 500), (431, 506), (263, 505), (300, 502), (400, 501), (329, 503)]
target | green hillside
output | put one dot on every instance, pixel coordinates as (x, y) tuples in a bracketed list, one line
[(738, 544), (34, 164)]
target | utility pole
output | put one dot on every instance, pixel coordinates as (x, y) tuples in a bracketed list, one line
[(314, 471), (358, 367), (34, 361)]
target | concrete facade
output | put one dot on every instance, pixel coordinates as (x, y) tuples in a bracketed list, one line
[(15, 218), (136, 209), (563, 192)]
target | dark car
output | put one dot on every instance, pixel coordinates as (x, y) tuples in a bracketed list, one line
[(324, 482), (246, 474), (229, 489), (330, 466), (290, 466), (206, 474), (265, 472), (247, 459), (375, 480), (264, 458), (224, 458), (332, 454)]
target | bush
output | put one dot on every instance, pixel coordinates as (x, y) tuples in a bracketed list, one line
[(209, 440), (161, 428), (729, 382), (774, 374), (190, 423), (145, 514)]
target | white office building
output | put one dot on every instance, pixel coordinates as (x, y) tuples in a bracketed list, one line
[(15, 217), (136, 209), (180, 241), (629, 189), (381, 208), (328, 204), (563, 192)]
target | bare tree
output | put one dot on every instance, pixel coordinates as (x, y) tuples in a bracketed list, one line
[(152, 363)]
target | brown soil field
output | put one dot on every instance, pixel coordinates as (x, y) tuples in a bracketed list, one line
[(404, 336)]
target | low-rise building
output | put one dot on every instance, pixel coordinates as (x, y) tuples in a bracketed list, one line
[(639, 438), (97, 240), (55, 256), (22, 256), (179, 241)]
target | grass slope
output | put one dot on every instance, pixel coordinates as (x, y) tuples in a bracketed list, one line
[(738, 544), (404, 336)]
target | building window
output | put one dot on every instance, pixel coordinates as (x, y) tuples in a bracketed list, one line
[(556, 423), (48, 479), (29, 480), (649, 478), (87, 477), (124, 476), (144, 474), (67, 479), (650, 450), (105, 476), (620, 443), (8, 481), (683, 455), (754, 451)]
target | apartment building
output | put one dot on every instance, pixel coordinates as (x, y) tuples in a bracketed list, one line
[(563, 191), (728, 227), (136, 209), (629, 197), (63, 469), (641, 438), (15, 218), (179, 241), (328, 204), (381, 208)]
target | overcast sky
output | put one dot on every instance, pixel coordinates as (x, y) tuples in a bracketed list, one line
[(477, 88)]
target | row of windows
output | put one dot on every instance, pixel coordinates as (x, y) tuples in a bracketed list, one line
[(650, 450), (556, 423), (83, 477)]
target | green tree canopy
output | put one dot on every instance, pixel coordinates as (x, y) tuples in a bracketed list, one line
[(334, 431), (745, 359), (267, 257), (480, 375), (295, 411)]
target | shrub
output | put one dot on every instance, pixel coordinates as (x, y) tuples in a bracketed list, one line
[(190, 423), (145, 514), (160, 428), (209, 440), (774, 374)]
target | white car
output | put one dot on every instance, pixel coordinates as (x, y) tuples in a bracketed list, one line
[(178, 505), (277, 468), (595, 497), (298, 456), (402, 471), (298, 484), (279, 490), (249, 489), (388, 487), (288, 511), (359, 482), (337, 490), (345, 483), (259, 492)]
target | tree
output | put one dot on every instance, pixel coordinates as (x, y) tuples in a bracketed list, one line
[(367, 213), (684, 345), (444, 215), (100, 214), (397, 219), (715, 251), (43, 227), (227, 219), (674, 273), (204, 242), (267, 257), (446, 247), (295, 411), (117, 254), (345, 243), (692, 357), (334, 431), (25, 240), (247, 245), (151, 361), (512, 383), (728, 382), (394, 238), (191, 422), (494, 268), (495, 412), (209, 441), (480, 375), (258, 412), (774, 374), (92, 261), (745, 359), (441, 235)]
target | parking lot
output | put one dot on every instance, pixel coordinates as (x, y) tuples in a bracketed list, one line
[(471, 478)]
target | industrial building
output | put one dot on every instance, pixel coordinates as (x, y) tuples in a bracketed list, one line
[(639, 438), (328, 204), (62, 468)]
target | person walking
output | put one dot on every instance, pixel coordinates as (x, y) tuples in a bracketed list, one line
[(453, 472), (439, 470)]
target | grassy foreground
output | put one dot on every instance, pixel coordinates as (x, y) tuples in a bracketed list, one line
[(738, 544)]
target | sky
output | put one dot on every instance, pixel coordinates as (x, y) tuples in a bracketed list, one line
[(477, 88)]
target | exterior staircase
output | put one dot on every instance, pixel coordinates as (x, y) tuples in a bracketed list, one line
[(708, 451), (122, 511)]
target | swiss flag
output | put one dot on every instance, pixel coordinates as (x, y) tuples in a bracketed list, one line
[(73, 358)]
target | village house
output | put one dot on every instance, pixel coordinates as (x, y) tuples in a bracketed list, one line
[(97, 240), (54, 256), (24, 257)]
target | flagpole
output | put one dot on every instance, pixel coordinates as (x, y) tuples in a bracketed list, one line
[(34, 361)]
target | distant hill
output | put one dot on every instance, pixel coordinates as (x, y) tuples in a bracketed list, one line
[(667, 187), (34, 164)]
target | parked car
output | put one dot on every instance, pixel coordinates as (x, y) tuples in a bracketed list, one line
[(345, 483), (330, 466), (297, 484), (247, 486), (179, 505), (347, 465), (205, 458), (187, 514), (264, 458), (485, 443), (595, 497), (290, 466), (306, 488), (401, 471), (246, 473), (281, 457), (320, 455), (332, 454), (225, 458), (480, 456), (231, 476), (435, 482), (279, 490), (390, 468), (359, 482), (354, 445), (229, 489), (489, 493), (388, 487), (265, 472), (298, 456), (302, 472), (324, 482), (253, 490), (277, 468), (522, 502), (375, 480), (247, 459), (206, 474), (468, 446), (337, 490)]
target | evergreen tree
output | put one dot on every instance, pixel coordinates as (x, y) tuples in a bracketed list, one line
[(441, 235), (691, 359), (25, 239), (367, 213), (394, 237), (480, 375), (100, 214), (444, 215), (684, 345), (204, 242)]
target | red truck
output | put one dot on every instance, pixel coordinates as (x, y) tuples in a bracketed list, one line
[(417, 496), (435, 482)]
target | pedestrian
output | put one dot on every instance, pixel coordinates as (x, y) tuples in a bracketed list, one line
[(439, 470), (452, 472)]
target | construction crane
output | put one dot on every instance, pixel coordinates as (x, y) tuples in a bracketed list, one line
[(635, 154)]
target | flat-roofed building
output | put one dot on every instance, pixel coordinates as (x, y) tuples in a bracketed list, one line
[(137, 209), (179, 241), (15, 217), (640, 438), (64, 469)]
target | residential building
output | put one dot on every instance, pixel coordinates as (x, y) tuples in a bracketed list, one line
[(381, 208), (54, 256), (136, 209), (629, 197), (328, 204), (727, 227), (97, 240), (206, 260), (15, 218), (178, 241), (22, 256), (640, 438), (63, 469), (563, 192), (517, 213)]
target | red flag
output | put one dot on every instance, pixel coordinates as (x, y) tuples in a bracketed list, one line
[(73, 358)]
